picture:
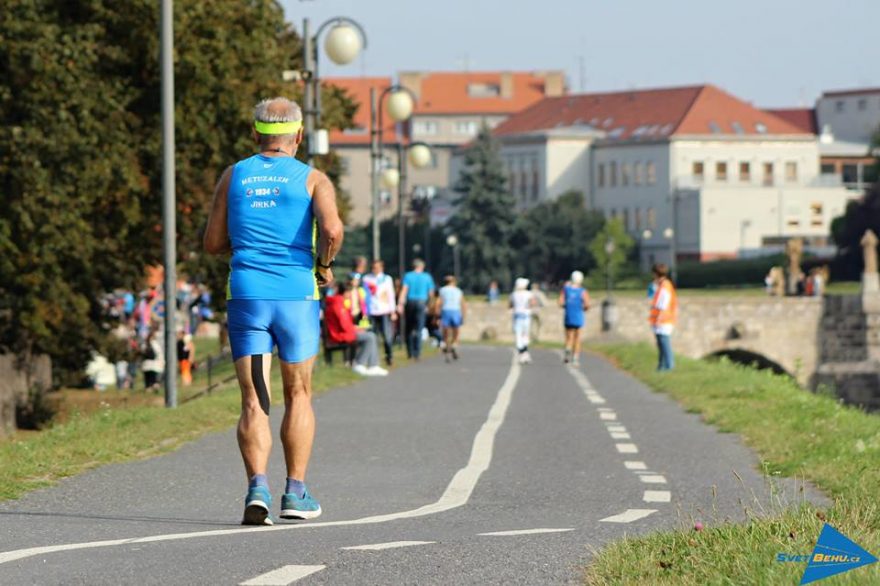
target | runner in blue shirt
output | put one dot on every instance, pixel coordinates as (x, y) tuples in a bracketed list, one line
[(575, 300), (452, 309), (416, 291), (278, 218)]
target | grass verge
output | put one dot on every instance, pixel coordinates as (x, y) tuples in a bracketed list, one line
[(796, 434), (108, 435)]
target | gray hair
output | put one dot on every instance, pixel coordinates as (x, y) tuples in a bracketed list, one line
[(278, 109)]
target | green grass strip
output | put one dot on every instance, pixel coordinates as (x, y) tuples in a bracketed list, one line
[(796, 434), (119, 435)]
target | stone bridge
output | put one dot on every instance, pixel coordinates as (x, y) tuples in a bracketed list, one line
[(832, 340)]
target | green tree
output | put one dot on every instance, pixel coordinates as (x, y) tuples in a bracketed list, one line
[(485, 216), (554, 238), (80, 149), (615, 232)]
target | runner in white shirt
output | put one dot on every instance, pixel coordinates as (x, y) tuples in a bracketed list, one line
[(521, 303)]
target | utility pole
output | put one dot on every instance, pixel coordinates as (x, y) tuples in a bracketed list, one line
[(308, 90), (169, 219), (374, 171)]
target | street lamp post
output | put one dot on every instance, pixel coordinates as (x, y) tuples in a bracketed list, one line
[(452, 241), (169, 218), (343, 43), (401, 102), (645, 235), (609, 310), (669, 234)]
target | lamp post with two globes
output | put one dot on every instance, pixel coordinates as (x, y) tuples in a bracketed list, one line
[(452, 241), (343, 43)]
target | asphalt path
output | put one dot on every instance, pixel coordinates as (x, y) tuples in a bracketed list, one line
[(480, 471)]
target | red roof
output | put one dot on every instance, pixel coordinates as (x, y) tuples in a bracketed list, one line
[(803, 118), (481, 92), (651, 114), (358, 89)]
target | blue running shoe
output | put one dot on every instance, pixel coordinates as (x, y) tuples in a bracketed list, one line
[(293, 507), (256, 506)]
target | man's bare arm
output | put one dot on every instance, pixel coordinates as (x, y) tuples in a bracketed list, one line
[(216, 238), (330, 229)]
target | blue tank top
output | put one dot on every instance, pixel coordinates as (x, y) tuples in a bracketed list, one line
[(574, 306), (272, 230)]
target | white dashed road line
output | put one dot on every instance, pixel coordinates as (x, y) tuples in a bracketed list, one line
[(652, 479), (635, 465), (628, 516), (525, 532), (283, 576), (389, 545), (620, 435), (627, 448), (657, 496), (608, 416)]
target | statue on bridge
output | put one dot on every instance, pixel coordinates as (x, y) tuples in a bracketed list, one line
[(794, 249), (870, 278)]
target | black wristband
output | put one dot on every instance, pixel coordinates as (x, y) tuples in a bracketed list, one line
[(327, 266)]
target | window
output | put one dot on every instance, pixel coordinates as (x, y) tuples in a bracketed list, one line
[(790, 172), (612, 180), (838, 106), (483, 90), (737, 127), (626, 218), (714, 128), (721, 171), (652, 218), (862, 104), (511, 182), (523, 181), (624, 174), (424, 127), (536, 180), (794, 223), (816, 214), (698, 170), (601, 174), (828, 169), (651, 170), (768, 174), (613, 213), (760, 128), (466, 127), (638, 218), (637, 174), (745, 171)]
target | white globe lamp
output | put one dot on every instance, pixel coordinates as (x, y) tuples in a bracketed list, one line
[(390, 178), (342, 44), (419, 156), (400, 105)]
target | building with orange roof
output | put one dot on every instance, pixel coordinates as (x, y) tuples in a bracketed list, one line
[(720, 177), (449, 110)]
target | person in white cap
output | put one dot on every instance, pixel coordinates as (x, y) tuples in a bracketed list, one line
[(521, 303), (575, 300)]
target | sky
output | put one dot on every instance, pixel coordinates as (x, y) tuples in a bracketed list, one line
[(773, 53)]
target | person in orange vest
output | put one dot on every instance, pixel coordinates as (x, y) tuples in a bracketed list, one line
[(664, 312)]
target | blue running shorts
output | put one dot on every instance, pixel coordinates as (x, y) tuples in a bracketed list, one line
[(257, 325), (450, 318)]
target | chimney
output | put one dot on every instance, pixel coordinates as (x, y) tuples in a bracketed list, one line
[(411, 80), (554, 84), (506, 90)]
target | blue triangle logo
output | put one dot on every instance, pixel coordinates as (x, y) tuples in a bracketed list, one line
[(834, 554)]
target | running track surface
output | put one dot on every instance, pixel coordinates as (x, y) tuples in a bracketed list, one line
[(476, 472)]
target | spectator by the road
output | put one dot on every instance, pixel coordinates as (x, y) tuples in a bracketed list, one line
[(186, 355), (452, 313), (522, 302), (663, 315), (342, 330), (152, 362), (575, 300), (265, 211), (381, 305), (494, 293), (416, 292)]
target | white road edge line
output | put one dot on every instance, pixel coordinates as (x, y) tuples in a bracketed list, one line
[(283, 576), (628, 516), (389, 545), (657, 496), (525, 532), (457, 492)]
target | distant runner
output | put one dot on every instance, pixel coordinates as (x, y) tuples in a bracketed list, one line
[(452, 312), (575, 300), (663, 315), (521, 303), (278, 217)]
